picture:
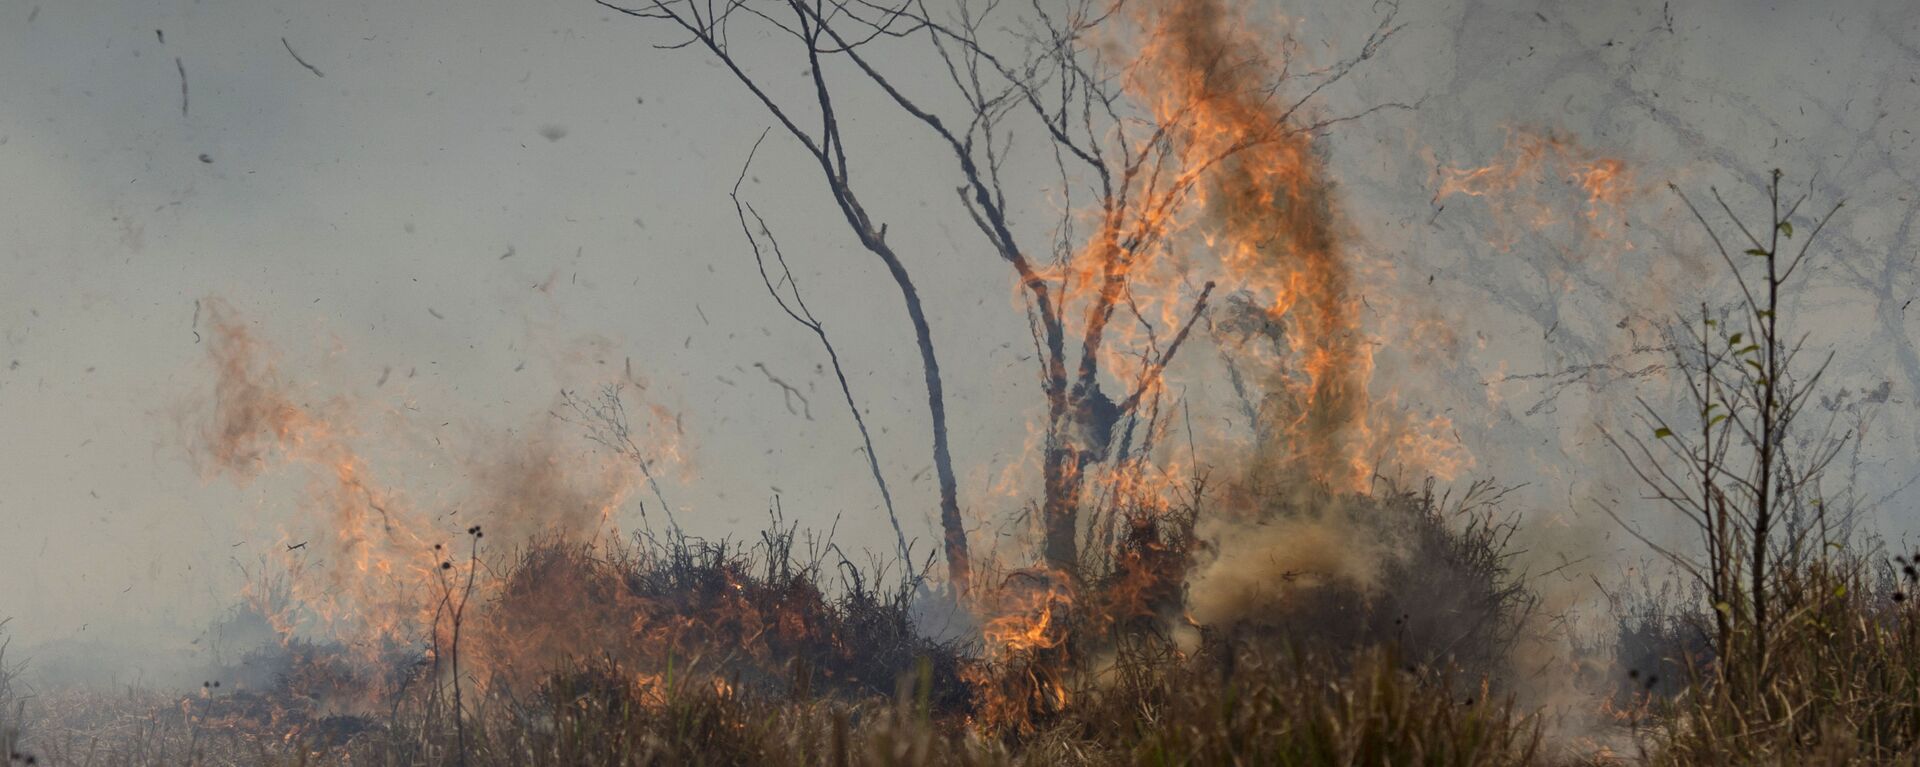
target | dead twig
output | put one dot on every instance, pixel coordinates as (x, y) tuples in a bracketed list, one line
[(303, 62), (182, 67), (788, 393)]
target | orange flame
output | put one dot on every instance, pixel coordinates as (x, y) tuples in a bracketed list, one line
[(1266, 214), (381, 572), (1242, 200), (1520, 189), (1032, 612)]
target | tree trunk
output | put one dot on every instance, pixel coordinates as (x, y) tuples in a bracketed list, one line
[(1061, 508), (959, 562)]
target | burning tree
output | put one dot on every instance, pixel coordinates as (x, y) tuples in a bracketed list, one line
[(1186, 166), (1195, 197)]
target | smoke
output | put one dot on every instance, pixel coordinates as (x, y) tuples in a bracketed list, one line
[(1303, 538), (1269, 216), (1518, 189), (1262, 569), (1271, 223), (1293, 531), (369, 566), (375, 547)]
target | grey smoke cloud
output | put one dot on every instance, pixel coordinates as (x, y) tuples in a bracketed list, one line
[(481, 203)]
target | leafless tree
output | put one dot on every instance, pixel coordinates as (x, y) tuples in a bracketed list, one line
[(786, 293), (1127, 164)]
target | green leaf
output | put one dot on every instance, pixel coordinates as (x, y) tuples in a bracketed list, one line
[(1662, 432), (1717, 419), (1786, 228), (1764, 313), (1751, 348), (1735, 339), (1757, 252)]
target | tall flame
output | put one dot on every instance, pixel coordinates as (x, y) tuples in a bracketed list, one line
[(373, 569), (381, 559), (1270, 225)]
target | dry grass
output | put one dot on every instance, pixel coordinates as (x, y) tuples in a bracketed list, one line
[(1843, 686), (1841, 682), (1270, 710), (714, 653), (12, 710)]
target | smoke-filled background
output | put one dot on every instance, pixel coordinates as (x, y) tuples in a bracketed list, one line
[(432, 217)]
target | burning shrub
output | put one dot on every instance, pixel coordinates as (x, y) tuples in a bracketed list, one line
[(1424, 574), (1319, 574), (734, 615)]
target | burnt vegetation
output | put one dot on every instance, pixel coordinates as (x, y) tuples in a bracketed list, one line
[(1285, 604), (782, 651), (785, 650)]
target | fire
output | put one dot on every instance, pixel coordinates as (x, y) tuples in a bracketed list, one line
[(1022, 680), (1520, 188), (1242, 209), (1251, 208), (1242, 206), (369, 567), (376, 542), (1032, 612)]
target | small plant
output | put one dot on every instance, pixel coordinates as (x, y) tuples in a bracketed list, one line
[(1736, 463), (12, 709), (1810, 656), (452, 606)]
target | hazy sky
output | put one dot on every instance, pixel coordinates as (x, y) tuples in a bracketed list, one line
[(483, 202)]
